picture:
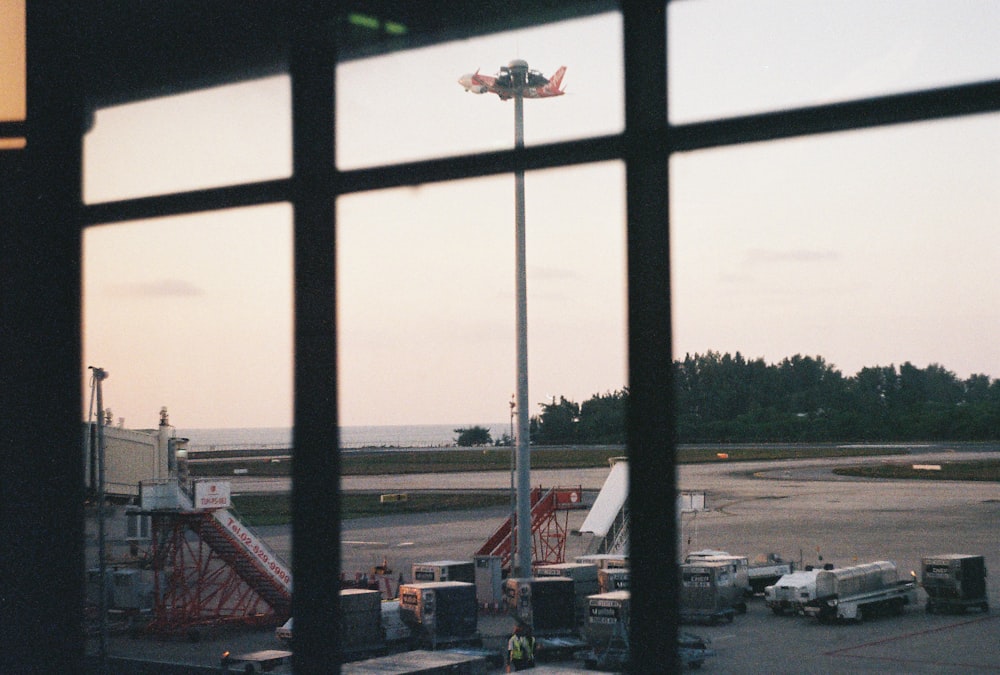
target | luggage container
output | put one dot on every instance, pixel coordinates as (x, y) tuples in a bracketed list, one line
[(739, 568), (616, 579), (546, 604), (607, 615), (360, 620), (444, 570), (604, 560), (489, 580), (954, 582), (440, 611), (585, 583), (709, 592)]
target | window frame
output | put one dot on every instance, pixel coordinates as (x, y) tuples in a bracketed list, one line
[(46, 199)]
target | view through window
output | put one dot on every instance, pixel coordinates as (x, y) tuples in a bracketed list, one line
[(830, 295)]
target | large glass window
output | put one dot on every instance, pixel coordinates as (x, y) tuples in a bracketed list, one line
[(426, 296), (193, 313), (409, 105), (865, 248), (859, 246), (734, 58), (209, 138)]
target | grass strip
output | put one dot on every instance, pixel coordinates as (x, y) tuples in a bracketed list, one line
[(380, 463), (276, 509), (978, 470)]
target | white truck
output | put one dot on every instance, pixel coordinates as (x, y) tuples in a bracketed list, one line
[(860, 592), (791, 592)]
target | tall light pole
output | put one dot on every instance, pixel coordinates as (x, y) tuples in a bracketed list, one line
[(99, 375), (519, 80)]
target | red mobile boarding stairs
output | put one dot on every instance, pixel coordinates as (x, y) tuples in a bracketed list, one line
[(549, 516), (210, 568)]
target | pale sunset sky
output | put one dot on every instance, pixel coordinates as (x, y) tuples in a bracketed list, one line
[(867, 248)]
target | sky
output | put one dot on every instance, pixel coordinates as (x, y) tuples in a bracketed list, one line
[(867, 248)]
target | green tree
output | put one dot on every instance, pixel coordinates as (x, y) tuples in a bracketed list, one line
[(473, 436)]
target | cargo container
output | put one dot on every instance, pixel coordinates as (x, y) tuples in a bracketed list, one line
[(604, 560), (440, 612), (585, 583), (361, 625), (761, 572), (546, 604), (607, 615), (607, 629), (791, 592), (489, 580), (360, 620), (615, 579), (444, 570), (709, 592), (860, 591), (954, 582), (739, 568)]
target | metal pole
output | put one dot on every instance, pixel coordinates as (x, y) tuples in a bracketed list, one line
[(102, 607), (513, 466), (519, 73)]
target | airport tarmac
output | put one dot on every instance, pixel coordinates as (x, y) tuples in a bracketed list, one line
[(797, 509)]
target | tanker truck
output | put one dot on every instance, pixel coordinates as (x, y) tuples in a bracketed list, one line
[(860, 592)]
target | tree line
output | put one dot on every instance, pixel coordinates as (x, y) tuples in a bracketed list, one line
[(723, 398)]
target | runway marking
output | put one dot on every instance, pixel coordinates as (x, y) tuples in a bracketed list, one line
[(893, 659), (365, 543), (404, 543)]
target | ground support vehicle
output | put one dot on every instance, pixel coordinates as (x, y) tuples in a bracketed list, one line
[(762, 573), (954, 582), (860, 592), (791, 592), (265, 661)]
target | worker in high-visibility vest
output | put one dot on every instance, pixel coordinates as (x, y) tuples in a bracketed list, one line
[(520, 649)]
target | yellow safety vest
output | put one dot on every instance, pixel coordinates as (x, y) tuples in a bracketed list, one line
[(521, 648)]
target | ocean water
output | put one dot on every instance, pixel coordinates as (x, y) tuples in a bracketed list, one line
[(387, 436)]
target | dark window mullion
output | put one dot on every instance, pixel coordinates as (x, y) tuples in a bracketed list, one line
[(316, 465), (650, 437)]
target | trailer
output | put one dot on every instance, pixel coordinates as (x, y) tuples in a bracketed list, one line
[(860, 592), (792, 592), (954, 582)]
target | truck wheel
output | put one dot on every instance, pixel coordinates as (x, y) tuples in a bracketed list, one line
[(930, 607), (741, 608), (985, 606), (778, 611)]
